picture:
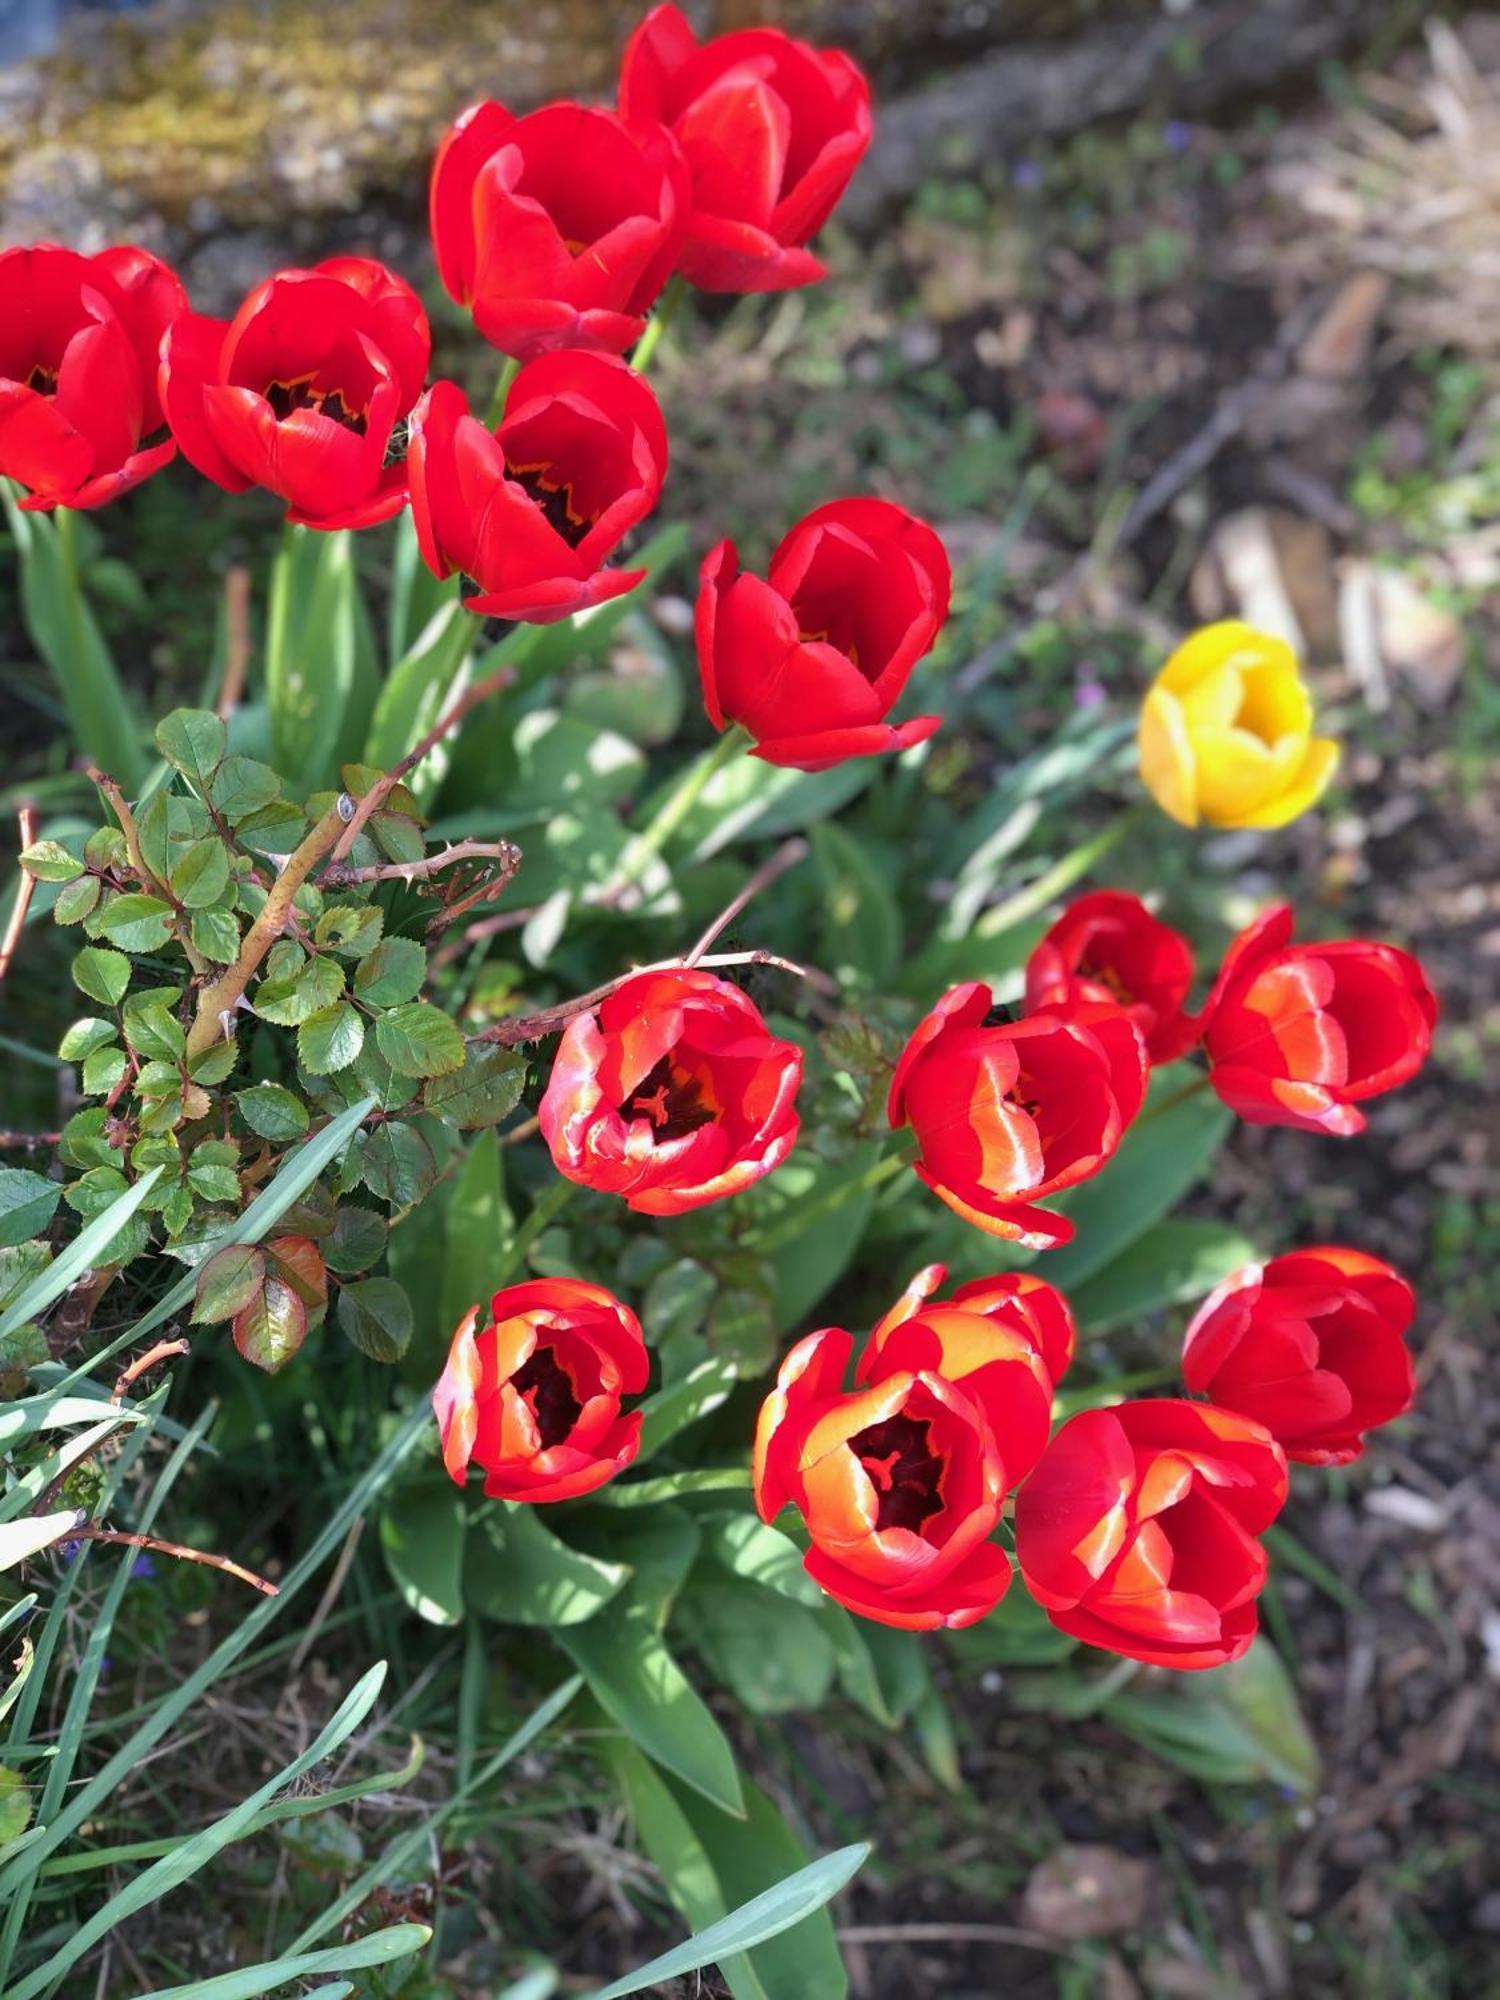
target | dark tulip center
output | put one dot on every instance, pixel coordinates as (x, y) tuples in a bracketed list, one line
[(905, 1471), (42, 380), (284, 397), (554, 497), (547, 1387), (672, 1101), (1001, 1017), (1107, 976)]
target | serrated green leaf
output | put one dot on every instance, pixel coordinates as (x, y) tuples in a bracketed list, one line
[(357, 1240), (27, 1204), (418, 1039), (102, 1071), (352, 929), (76, 900), (272, 1327), (395, 1163), (154, 1031), (288, 1002), (102, 974), (484, 1090), (215, 935), (201, 875), (375, 1314), (193, 741), (50, 861), (242, 786), (330, 1040), (133, 922), (272, 1112), (214, 1064), (213, 1183), (85, 1036), (393, 972), (227, 1283)]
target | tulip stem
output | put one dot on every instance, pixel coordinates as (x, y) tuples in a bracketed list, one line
[(547, 1204), (535, 1027), (788, 1228), (508, 373), (1160, 1109), (667, 307), (674, 809), (1035, 897)]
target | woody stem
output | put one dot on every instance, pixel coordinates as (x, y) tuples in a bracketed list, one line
[(223, 995)]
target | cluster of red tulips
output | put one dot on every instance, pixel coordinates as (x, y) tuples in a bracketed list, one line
[(1136, 1527)]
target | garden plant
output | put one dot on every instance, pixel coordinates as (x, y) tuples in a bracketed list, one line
[(507, 1024)]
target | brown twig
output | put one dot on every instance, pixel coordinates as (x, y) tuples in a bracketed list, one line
[(786, 857), (131, 1541), (120, 806), (25, 890), (218, 1000), (338, 875), (26, 1142), (132, 1373), (533, 1027), (487, 927), (236, 639), (381, 790)]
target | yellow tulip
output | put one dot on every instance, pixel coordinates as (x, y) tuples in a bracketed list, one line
[(1226, 732)]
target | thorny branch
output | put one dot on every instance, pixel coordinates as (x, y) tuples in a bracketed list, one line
[(25, 890), (381, 790)]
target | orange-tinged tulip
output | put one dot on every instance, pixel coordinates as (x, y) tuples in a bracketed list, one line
[(900, 1484), (533, 1395)]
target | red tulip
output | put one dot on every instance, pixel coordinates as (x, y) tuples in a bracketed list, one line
[(1310, 1345), (1302, 1034), (900, 1485), (1007, 1113), (534, 1395), (78, 346), (1137, 1531), (671, 1092), (1108, 946), (533, 510), (812, 661), (1005, 1341), (301, 391), (771, 129), (557, 229)]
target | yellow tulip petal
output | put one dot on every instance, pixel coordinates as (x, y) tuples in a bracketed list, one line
[(1236, 774), (1276, 701), (1309, 785), (1229, 643), (1214, 702), (1168, 767)]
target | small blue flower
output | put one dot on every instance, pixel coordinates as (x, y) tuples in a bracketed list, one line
[(1026, 174), (143, 1567), (1176, 136)]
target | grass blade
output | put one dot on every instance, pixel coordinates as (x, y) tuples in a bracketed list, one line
[(396, 1854), (764, 1916), (84, 1253), (383, 1948), (190, 1855)]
